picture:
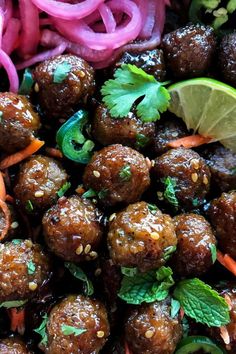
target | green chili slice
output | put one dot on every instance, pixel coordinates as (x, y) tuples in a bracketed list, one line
[(193, 344)]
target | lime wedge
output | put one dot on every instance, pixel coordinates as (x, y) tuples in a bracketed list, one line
[(208, 107)]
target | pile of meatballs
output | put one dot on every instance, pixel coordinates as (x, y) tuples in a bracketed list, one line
[(116, 227)]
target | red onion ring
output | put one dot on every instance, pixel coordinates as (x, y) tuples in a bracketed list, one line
[(108, 18), (10, 68), (11, 35), (148, 20)]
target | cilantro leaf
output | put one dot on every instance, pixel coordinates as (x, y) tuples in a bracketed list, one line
[(146, 287), (11, 304), (213, 253), (78, 273), (129, 272), (63, 189), (131, 84), (31, 267), (202, 303), (68, 330), (169, 193), (125, 173), (61, 72), (42, 330), (175, 307), (27, 82)]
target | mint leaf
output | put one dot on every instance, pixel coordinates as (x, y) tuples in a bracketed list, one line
[(61, 72), (68, 330), (78, 273), (42, 330), (27, 83), (202, 303), (213, 253), (63, 189), (11, 304), (146, 287), (129, 272), (131, 84), (125, 173), (31, 267), (169, 193), (175, 307)]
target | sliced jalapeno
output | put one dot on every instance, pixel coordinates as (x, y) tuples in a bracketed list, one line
[(193, 344)]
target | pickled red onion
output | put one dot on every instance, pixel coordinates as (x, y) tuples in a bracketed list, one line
[(10, 68)]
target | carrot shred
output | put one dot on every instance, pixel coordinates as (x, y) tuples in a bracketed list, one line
[(227, 261), (189, 142), (2, 188), (54, 153), (17, 317), (127, 350), (80, 190), (11, 160), (10, 199), (181, 313)]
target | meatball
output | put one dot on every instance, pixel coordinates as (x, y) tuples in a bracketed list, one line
[(78, 312), (222, 215), (222, 164), (24, 267), (59, 97), (228, 291), (39, 180), (189, 172), (227, 58), (150, 329), (13, 345), (189, 50), (139, 236), (151, 61), (72, 229), (14, 230), (167, 130), (18, 124), (130, 131), (195, 244), (118, 174)]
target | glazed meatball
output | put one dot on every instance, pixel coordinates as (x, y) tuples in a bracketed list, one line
[(222, 215), (13, 345), (24, 267), (18, 124), (150, 329), (189, 50), (14, 229), (72, 229), (38, 182), (167, 130), (139, 236), (59, 98), (118, 174), (189, 172), (222, 164), (227, 58), (228, 291), (195, 244), (151, 61), (130, 131), (81, 313)]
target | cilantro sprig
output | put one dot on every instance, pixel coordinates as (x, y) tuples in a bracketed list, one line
[(68, 330), (130, 86), (42, 330), (78, 273), (170, 191), (61, 72)]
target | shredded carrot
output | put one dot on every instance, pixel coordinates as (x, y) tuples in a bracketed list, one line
[(127, 350), (80, 190), (190, 141), (227, 261), (6, 212), (17, 317), (54, 153), (11, 160), (2, 188), (181, 313), (10, 199)]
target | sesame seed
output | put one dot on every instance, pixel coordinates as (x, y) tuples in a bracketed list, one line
[(194, 177), (79, 250), (96, 174), (149, 164), (155, 235), (112, 217), (205, 180), (98, 272), (149, 334), (81, 74), (36, 87), (93, 254), (39, 194), (87, 249), (100, 334), (14, 225), (32, 286), (153, 163), (195, 163), (160, 195), (28, 243)]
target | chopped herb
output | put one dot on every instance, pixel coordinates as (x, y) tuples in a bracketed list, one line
[(1, 115), (141, 141), (195, 202), (29, 206), (129, 272), (90, 193), (42, 330), (175, 307), (125, 173), (16, 241), (11, 304), (202, 303), (152, 208), (168, 252), (31, 267), (146, 287), (233, 170), (27, 83), (130, 85), (61, 72), (78, 273), (102, 194), (63, 189), (213, 253), (186, 327), (68, 330), (169, 193)]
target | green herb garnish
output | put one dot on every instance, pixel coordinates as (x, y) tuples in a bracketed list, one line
[(125, 173), (202, 303), (213, 253), (168, 252), (152, 208), (102, 194), (141, 141), (233, 170), (42, 330), (129, 272), (146, 287), (175, 307), (130, 85), (29, 206), (68, 330), (27, 83), (170, 190), (78, 273), (1, 115), (31, 267), (90, 193), (12, 304), (61, 72), (17, 241), (63, 189)]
